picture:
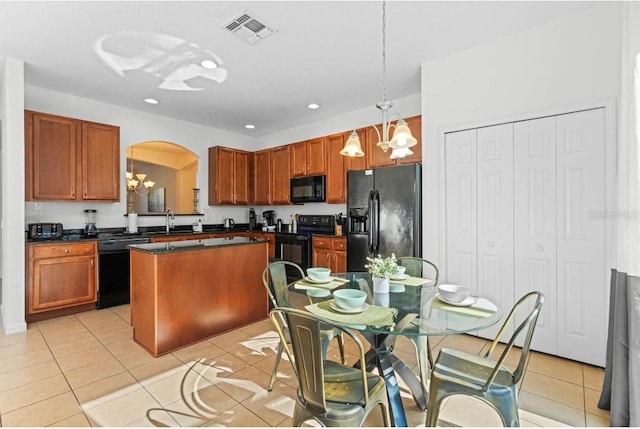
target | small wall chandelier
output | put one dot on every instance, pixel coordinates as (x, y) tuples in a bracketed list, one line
[(136, 181), (402, 138)]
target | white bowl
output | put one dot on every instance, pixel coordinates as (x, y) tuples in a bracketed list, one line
[(350, 299), (453, 293), (271, 228), (318, 274), (400, 270)]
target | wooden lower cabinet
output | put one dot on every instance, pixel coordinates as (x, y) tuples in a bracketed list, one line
[(330, 252), (60, 276)]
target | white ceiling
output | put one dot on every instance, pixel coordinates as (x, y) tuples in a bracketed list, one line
[(328, 52)]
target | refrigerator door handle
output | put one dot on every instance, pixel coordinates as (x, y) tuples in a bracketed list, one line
[(376, 229), (371, 223)]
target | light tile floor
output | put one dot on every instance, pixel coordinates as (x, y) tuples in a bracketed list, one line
[(85, 370)]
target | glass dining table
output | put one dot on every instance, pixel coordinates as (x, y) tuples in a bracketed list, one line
[(411, 309)]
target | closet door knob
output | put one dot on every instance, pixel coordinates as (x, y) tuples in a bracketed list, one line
[(491, 244), (539, 248)]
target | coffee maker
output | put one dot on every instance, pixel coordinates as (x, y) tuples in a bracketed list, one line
[(269, 217)]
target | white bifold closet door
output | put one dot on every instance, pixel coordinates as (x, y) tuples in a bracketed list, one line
[(461, 209), (520, 204), (495, 217), (535, 232)]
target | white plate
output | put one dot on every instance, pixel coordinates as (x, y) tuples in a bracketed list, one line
[(400, 277), (339, 309), (318, 282), (464, 303)]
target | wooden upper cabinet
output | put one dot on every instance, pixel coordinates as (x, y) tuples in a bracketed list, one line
[(68, 159), (415, 125), (336, 191), (100, 162), (228, 176), (376, 157), (298, 159), (262, 177), (308, 157), (357, 163), (280, 167)]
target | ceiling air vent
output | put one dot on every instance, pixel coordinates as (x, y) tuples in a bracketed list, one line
[(249, 28)]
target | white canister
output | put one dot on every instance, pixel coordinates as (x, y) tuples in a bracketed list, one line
[(132, 222)]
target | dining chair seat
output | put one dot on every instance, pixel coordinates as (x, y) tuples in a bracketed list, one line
[(276, 275), (460, 373)]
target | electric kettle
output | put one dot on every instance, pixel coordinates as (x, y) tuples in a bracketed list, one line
[(229, 223)]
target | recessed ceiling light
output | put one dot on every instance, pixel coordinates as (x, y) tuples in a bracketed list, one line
[(208, 64), (249, 126), (151, 100), (313, 106)]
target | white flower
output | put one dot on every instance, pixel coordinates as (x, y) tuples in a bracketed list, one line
[(382, 267)]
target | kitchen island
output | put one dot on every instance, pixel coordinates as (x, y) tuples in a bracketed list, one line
[(185, 291)]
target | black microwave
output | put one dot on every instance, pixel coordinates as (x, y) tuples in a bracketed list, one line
[(307, 189)]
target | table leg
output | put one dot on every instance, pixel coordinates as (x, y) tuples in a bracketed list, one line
[(385, 367)]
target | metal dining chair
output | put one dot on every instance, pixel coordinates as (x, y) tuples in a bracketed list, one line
[(331, 393), (276, 275), (419, 267), (460, 373)]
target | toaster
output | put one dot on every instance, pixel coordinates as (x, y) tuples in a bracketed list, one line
[(44, 231)]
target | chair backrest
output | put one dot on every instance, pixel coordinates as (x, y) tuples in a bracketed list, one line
[(526, 328), (276, 272), (307, 354), (417, 267)]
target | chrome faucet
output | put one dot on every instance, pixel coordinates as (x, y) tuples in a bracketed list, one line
[(170, 217)]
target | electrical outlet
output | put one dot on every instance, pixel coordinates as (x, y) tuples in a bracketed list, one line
[(37, 206)]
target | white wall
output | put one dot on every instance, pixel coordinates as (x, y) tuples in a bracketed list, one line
[(572, 61), (13, 261)]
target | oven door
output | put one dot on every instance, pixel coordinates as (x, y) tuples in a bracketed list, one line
[(294, 248)]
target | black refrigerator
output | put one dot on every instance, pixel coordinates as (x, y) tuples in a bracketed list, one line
[(384, 210)]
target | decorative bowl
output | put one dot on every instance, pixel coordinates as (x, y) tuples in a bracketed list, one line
[(318, 274), (350, 299), (453, 293), (271, 228)]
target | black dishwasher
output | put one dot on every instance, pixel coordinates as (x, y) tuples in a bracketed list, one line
[(113, 270)]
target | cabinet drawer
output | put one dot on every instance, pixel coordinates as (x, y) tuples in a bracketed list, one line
[(321, 243), (339, 244), (61, 250)]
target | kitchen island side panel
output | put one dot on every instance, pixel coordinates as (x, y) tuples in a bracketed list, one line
[(143, 299), (201, 293)]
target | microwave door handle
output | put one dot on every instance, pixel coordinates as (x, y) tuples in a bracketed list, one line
[(371, 223)]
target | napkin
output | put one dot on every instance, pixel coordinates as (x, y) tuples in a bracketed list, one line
[(373, 316), (306, 285), (481, 308), (412, 281)]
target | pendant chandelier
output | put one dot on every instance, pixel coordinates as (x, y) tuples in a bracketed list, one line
[(402, 138), (136, 181)]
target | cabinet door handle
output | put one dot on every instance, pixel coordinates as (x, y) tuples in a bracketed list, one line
[(73, 192), (66, 250)]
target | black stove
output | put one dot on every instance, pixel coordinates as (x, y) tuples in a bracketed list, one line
[(296, 246)]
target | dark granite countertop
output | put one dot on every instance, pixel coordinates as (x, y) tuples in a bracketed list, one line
[(186, 245)]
